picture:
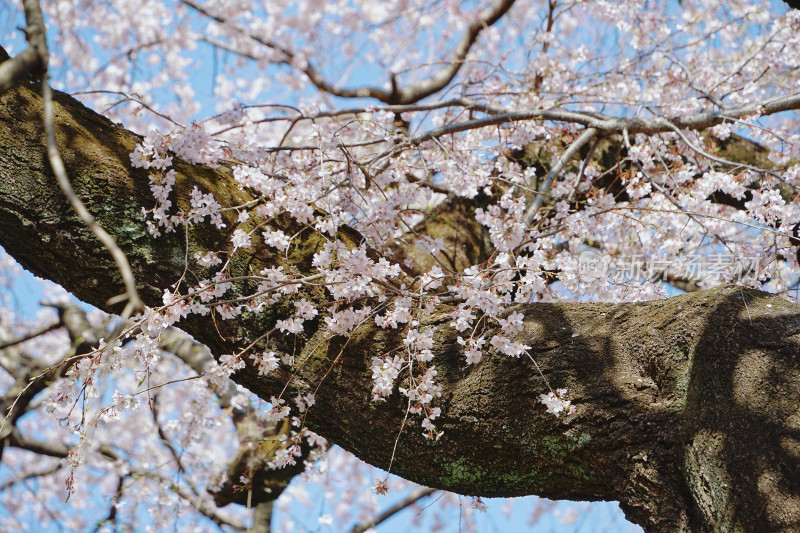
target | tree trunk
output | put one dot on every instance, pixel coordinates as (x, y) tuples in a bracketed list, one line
[(688, 409)]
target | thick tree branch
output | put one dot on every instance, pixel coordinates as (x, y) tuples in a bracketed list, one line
[(671, 394), (31, 60), (17, 68)]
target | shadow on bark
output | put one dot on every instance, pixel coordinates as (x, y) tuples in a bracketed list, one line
[(742, 419)]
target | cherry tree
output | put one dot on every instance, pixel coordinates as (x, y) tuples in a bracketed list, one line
[(440, 235)]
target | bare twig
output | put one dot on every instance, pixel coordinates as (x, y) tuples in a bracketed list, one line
[(129, 98)]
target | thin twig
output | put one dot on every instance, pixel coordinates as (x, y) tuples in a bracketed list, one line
[(57, 164), (387, 513)]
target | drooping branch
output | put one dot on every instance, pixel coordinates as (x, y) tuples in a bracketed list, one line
[(671, 394), (36, 32)]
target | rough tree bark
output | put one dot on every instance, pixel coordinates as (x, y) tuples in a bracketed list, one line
[(688, 409)]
